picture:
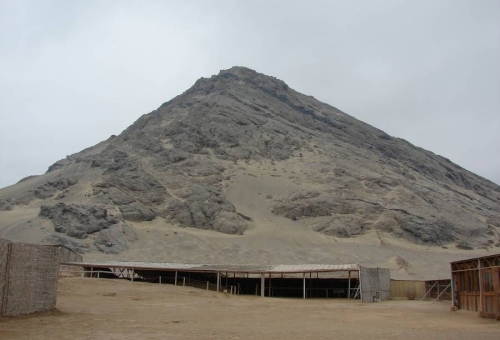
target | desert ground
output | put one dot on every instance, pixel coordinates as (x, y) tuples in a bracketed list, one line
[(118, 309)]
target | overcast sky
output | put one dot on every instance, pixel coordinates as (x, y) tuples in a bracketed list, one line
[(72, 73)]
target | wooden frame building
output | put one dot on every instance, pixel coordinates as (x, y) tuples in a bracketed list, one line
[(476, 285)]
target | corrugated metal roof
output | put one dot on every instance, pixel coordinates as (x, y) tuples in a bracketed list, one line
[(246, 268)]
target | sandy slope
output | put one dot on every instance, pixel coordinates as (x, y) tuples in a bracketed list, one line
[(253, 188), (119, 309), (274, 239)]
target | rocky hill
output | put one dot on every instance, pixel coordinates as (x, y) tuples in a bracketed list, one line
[(268, 174)]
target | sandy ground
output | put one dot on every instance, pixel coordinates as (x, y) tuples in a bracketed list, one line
[(119, 309)]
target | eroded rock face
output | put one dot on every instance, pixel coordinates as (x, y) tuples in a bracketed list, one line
[(51, 187), (81, 221), (70, 242), (77, 220)]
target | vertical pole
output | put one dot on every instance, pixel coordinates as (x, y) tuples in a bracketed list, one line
[(160, 280), (175, 278), (262, 284), (453, 302), (208, 283), (349, 287), (270, 286), (360, 285), (184, 281), (304, 286), (218, 281), (480, 287), (133, 273), (97, 274), (439, 283)]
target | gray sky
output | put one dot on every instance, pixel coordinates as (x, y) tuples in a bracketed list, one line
[(72, 73)]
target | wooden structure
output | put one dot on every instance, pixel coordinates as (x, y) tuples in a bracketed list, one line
[(476, 285), (305, 281), (429, 289), (400, 288), (28, 277)]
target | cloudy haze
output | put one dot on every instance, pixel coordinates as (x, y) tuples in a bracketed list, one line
[(72, 73)]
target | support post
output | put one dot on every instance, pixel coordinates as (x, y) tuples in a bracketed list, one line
[(425, 295), (262, 284), (349, 287), (480, 287), (453, 302), (175, 278), (441, 293), (360, 286), (184, 281), (218, 281), (133, 273), (160, 279), (270, 286), (208, 284), (304, 285)]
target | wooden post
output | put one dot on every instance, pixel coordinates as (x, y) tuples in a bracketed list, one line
[(98, 274), (453, 302), (262, 284), (304, 286), (439, 283), (349, 289), (360, 287), (496, 289), (175, 278), (218, 281), (208, 284), (133, 273), (184, 281), (160, 279), (480, 287)]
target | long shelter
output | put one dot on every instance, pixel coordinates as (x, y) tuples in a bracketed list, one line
[(305, 281)]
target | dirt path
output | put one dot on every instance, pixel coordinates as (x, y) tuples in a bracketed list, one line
[(118, 309)]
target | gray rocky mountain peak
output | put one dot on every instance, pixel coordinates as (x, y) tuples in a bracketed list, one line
[(331, 172)]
